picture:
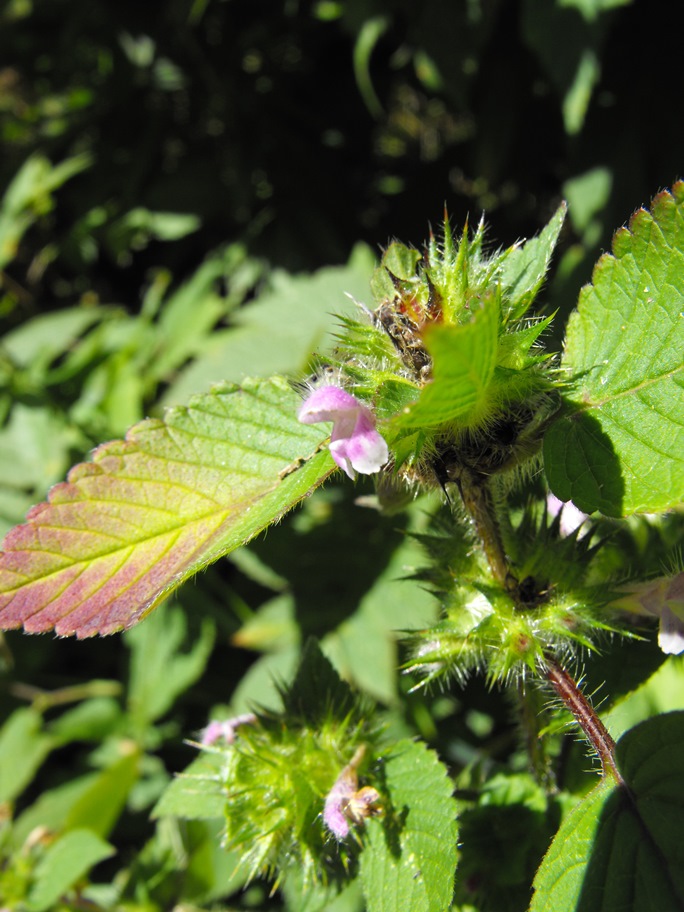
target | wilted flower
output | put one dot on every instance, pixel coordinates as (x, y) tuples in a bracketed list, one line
[(346, 803), (335, 802), (662, 598), (224, 729), (355, 444)]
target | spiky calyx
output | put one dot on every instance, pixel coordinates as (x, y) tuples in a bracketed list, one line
[(280, 769), (510, 627), (449, 362)]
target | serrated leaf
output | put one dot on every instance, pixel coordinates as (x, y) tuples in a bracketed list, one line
[(64, 863), (148, 512), (619, 448), (464, 357), (409, 858), (620, 849), (525, 266)]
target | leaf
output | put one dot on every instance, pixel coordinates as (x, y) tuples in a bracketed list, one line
[(619, 447), (620, 850), (159, 670), (464, 358), (364, 646), (50, 808), (29, 195), (148, 512), (316, 689), (409, 858), (587, 195), (568, 46), (370, 33), (91, 720), (281, 329), (196, 793), (357, 631), (98, 807), (63, 864), (23, 747), (525, 266), (43, 438), (35, 344)]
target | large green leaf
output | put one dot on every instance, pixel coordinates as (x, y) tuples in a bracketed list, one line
[(619, 447), (129, 526), (621, 848), (409, 859)]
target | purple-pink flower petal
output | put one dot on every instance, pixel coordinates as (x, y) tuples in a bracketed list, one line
[(662, 598), (335, 802), (355, 444), (571, 517), (225, 729)]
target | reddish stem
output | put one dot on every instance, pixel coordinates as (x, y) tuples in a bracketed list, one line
[(596, 732)]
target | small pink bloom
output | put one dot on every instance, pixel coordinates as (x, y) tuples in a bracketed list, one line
[(662, 598), (355, 444), (225, 729), (346, 803), (336, 801), (571, 517)]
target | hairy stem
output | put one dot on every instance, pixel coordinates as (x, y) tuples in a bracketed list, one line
[(478, 502), (595, 731)]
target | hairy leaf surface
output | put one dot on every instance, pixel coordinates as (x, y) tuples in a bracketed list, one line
[(621, 848), (409, 859), (619, 448), (525, 266), (148, 512)]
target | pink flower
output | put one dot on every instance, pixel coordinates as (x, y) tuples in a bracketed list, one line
[(224, 730), (355, 444), (336, 801), (571, 517), (346, 803), (662, 598)]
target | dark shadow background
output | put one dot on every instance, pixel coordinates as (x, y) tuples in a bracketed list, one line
[(303, 127)]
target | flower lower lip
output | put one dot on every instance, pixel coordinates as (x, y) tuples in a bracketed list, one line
[(355, 443)]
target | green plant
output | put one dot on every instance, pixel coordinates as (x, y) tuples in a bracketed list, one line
[(444, 389)]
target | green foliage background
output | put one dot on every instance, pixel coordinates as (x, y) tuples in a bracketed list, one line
[(189, 189)]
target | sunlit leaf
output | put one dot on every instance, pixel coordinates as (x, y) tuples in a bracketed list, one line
[(126, 528), (524, 268), (619, 448), (409, 858), (621, 847), (464, 357)]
